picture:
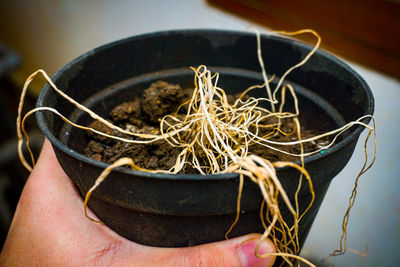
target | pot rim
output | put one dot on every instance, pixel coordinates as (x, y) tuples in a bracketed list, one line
[(353, 135)]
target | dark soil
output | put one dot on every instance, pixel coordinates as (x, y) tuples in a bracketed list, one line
[(143, 115)]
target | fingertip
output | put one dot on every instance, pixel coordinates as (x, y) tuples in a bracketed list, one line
[(254, 252)]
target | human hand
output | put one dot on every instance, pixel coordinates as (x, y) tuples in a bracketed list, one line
[(49, 228)]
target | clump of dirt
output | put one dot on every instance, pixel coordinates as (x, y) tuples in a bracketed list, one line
[(143, 115), (162, 98)]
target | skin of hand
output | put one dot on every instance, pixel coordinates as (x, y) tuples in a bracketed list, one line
[(49, 228)]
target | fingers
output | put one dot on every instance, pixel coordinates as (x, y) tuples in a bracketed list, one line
[(49, 225), (49, 228), (234, 252), (105, 246)]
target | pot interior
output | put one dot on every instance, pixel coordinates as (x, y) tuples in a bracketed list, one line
[(316, 113)]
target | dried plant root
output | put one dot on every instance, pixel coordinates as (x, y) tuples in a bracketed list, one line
[(103, 176), (343, 239), (263, 173)]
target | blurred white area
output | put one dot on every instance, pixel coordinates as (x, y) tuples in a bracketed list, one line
[(51, 33)]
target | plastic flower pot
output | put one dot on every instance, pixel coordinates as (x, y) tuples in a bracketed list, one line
[(184, 210)]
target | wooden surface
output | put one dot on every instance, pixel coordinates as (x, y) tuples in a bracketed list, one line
[(364, 31)]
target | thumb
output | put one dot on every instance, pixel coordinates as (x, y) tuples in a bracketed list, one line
[(238, 251)]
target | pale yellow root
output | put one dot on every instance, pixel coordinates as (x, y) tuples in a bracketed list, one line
[(282, 254), (241, 181), (343, 239), (103, 175), (263, 173)]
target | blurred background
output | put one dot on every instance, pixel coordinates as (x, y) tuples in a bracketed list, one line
[(364, 33)]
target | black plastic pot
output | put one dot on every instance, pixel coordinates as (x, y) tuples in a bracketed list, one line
[(185, 210)]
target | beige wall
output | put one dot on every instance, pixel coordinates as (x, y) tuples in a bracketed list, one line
[(49, 34)]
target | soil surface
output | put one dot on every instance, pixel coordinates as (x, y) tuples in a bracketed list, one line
[(143, 115)]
